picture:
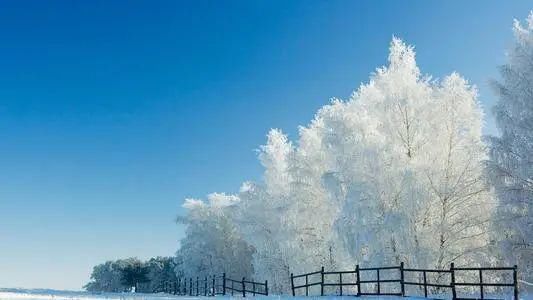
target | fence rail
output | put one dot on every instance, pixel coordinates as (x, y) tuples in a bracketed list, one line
[(400, 283)]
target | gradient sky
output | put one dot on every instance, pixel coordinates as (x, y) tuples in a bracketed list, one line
[(112, 112)]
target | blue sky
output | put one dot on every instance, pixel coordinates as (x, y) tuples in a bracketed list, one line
[(112, 112)]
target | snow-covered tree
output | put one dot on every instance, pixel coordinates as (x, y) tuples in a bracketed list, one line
[(212, 244), (404, 158), (263, 221), (393, 174), (511, 155), (161, 270)]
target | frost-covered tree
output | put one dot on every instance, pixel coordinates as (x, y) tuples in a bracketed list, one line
[(511, 155), (395, 173), (263, 222), (161, 270), (213, 244), (403, 157)]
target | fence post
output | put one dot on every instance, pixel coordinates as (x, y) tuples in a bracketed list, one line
[(515, 281), (205, 287), (232, 287), (379, 287), (402, 279), (306, 286), (266, 287), (253, 288), (214, 288), (425, 285), (481, 283), (452, 272), (340, 281), (322, 281), (179, 285), (197, 288), (243, 288), (292, 285), (190, 286), (358, 279), (223, 284)]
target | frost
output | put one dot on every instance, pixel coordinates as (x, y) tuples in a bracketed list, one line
[(511, 155), (394, 173), (193, 203)]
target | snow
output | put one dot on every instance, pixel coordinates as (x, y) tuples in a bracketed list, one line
[(16, 294), (394, 173)]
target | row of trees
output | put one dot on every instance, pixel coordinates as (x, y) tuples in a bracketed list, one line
[(132, 274), (398, 172)]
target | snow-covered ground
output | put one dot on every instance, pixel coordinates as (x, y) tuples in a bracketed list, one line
[(43, 294)]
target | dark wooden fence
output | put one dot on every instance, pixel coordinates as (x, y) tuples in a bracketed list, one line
[(214, 285), (307, 284), (398, 282), (482, 284)]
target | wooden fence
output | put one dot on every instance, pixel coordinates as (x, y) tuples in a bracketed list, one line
[(399, 283), (215, 285)]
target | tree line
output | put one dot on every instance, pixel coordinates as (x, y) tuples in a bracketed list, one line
[(398, 172), (132, 274)]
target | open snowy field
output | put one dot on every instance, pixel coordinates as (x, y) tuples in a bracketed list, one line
[(36, 294), (71, 295), (44, 294)]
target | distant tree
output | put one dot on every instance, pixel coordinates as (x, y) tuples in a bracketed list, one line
[(134, 272), (124, 274), (160, 271), (106, 277)]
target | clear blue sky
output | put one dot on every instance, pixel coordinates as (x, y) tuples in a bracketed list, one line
[(112, 112)]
